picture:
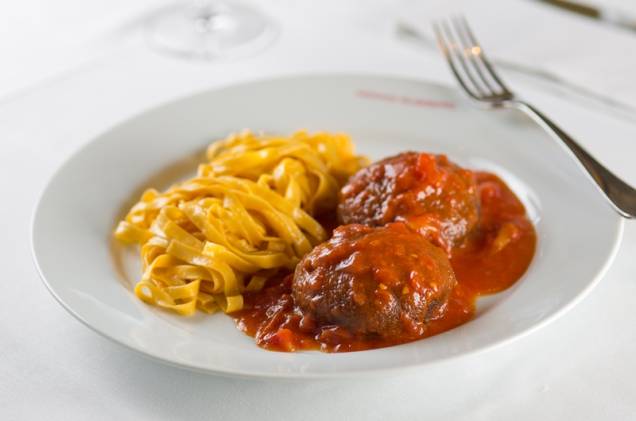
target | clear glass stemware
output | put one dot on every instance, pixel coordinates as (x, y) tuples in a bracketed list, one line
[(210, 29)]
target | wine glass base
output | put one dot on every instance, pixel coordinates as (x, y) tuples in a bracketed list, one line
[(210, 31)]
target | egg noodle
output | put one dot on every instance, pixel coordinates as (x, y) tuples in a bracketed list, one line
[(248, 213)]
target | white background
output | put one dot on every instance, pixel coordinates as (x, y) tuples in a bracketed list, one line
[(72, 68)]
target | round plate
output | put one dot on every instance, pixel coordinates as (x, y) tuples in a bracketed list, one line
[(77, 212)]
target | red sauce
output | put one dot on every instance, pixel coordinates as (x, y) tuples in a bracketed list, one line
[(491, 258)]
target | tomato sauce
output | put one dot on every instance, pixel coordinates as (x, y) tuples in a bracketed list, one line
[(492, 258)]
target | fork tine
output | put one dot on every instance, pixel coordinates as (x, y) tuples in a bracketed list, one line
[(460, 55), (466, 58), (445, 44), (478, 52), (471, 54)]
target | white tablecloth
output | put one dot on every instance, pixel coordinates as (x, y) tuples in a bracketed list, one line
[(52, 367)]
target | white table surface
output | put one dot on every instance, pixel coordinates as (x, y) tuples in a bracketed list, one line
[(581, 367)]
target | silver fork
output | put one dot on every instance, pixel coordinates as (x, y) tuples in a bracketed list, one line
[(479, 80)]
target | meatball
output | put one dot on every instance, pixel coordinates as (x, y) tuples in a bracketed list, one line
[(430, 193), (387, 281)]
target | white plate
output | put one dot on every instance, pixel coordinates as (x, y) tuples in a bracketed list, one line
[(578, 232)]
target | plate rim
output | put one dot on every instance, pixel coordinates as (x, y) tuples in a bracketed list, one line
[(297, 375)]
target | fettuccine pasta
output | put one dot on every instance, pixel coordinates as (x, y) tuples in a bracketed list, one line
[(248, 213)]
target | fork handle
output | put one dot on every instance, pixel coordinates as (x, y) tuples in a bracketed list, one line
[(620, 194)]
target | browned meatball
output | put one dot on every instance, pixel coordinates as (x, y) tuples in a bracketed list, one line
[(432, 194), (387, 281)]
